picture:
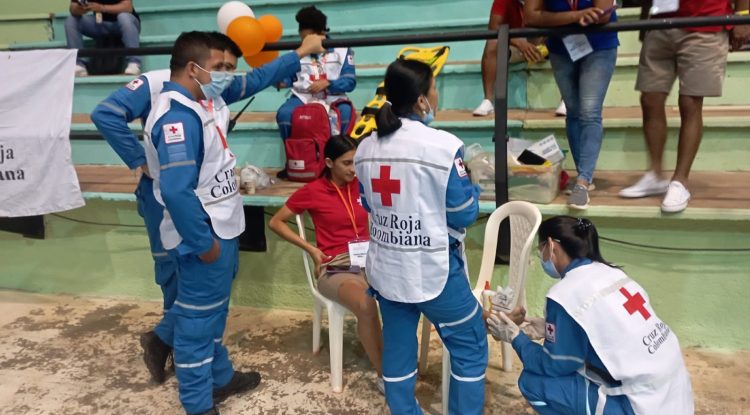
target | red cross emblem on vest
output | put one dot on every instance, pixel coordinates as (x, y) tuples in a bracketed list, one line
[(386, 186), (172, 129), (635, 303)]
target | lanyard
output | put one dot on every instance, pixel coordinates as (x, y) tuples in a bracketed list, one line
[(349, 207), (210, 108), (573, 4)]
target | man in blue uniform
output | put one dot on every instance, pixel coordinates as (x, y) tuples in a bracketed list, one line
[(134, 101)]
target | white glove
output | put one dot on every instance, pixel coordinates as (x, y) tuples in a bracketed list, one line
[(503, 299), (534, 328), (502, 328)]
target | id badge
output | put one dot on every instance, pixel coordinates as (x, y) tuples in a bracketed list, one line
[(578, 46), (664, 6), (358, 253)]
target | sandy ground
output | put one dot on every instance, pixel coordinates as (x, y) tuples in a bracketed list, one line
[(72, 355)]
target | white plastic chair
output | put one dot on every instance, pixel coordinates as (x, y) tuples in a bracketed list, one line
[(525, 219), (336, 313)]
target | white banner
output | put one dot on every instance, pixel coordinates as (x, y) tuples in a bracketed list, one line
[(36, 101)]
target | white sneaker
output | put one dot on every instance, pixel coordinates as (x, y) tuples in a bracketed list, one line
[(133, 69), (649, 184), (81, 70), (485, 108), (561, 110), (380, 383), (676, 199)]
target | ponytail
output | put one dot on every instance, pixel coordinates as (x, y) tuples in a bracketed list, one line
[(405, 81), (386, 121), (578, 237)]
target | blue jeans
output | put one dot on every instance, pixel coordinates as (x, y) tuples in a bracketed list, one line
[(127, 26), (583, 86)]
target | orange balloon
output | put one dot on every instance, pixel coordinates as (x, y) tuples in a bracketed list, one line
[(261, 58), (248, 34), (272, 26)]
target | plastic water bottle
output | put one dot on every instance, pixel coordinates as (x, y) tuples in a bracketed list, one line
[(334, 117)]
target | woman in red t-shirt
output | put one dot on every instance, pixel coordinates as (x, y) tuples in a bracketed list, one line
[(340, 221)]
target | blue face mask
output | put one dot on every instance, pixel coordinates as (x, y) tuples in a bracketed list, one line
[(549, 267), (220, 80), (430, 116)]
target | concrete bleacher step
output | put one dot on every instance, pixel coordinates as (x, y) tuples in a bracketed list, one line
[(715, 195), (725, 146), (24, 28), (459, 85)]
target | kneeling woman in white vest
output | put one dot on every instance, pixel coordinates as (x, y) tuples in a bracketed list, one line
[(605, 350), (420, 200)]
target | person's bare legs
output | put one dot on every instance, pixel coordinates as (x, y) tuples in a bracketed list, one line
[(691, 133), (489, 59), (353, 296), (655, 127)]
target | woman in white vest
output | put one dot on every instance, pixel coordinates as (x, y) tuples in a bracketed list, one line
[(605, 349), (420, 200), (324, 78)]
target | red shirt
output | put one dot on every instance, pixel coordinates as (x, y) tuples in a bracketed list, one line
[(511, 10), (698, 8), (333, 225)]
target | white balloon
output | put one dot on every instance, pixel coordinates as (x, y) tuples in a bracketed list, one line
[(230, 11)]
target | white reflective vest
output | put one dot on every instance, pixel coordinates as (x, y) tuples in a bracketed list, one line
[(217, 187), (636, 347), (331, 64), (405, 177), (156, 81)]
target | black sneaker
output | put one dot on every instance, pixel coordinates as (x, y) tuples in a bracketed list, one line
[(241, 382), (282, 174), (155, 355), (212, 411)]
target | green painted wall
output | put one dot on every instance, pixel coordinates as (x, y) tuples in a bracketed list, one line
[(701, 295)]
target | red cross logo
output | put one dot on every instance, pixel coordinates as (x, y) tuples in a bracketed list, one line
[(172, 129), (550, 330), (635, 303), (386, 186)]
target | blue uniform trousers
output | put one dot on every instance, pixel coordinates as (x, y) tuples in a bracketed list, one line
[(198, 319), (458, 318), (165, 262), (284, 116), (567, 395)]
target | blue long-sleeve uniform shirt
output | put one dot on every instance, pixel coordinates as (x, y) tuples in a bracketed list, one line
[(567, 351), (133, 101)]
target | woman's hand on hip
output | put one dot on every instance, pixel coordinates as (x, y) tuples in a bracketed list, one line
[(319, 258)]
